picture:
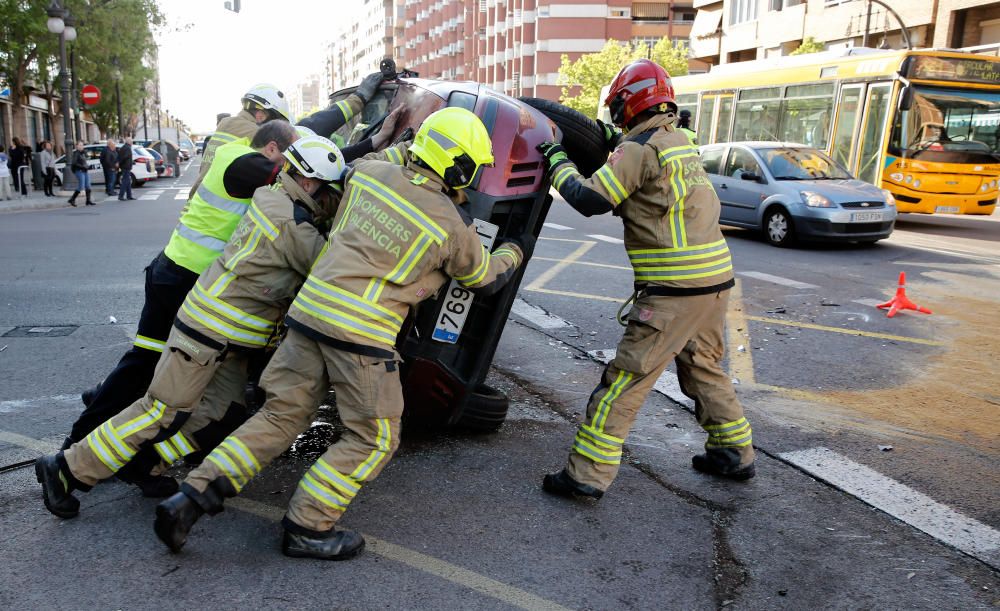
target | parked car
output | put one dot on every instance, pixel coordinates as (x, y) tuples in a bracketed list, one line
[(793, 191), (142, 168), (157, 161), (186, 148), (448, 343), (200, 146)]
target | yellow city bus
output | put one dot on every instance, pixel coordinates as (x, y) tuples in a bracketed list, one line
[(923, 124)]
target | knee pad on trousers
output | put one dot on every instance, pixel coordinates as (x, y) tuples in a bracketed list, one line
[(213, 498)]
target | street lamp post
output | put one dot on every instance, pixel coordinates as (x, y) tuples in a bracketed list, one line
[(116, 75), (75, 105), (58, 24)]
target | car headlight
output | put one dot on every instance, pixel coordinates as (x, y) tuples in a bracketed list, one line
[(909, 178), (993, 184), (985, 187), (890, 200), (916, 184), (815, 200), (896, 176)]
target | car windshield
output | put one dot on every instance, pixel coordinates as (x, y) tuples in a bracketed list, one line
[(787, 163), (949, 125)]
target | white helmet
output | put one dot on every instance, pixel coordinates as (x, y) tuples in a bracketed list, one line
[(268, 97), (316, 157), (304, 131)]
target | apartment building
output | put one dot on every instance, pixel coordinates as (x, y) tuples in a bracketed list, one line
[(728, 31), (360, 45), (305, 96)]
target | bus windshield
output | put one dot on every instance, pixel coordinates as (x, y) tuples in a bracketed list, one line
[(949, 125), (788, 163)]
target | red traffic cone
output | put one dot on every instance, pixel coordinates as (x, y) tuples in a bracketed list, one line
[(900, 301)]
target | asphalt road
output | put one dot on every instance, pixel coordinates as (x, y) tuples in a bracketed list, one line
[(460, 522)]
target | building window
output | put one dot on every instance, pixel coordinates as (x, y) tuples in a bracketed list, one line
[(777, 5), (742, 11)]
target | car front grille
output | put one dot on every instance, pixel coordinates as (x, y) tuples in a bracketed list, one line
[(868, 205)]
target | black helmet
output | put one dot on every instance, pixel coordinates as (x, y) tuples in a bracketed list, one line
[(685, 114)]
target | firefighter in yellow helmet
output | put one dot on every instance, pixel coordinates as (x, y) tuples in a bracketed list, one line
[(230, 315), (683, 272), (395, 241)]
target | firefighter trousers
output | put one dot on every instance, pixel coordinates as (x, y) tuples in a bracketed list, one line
[(196, 384), (688, 330), (370, 404), (167, 284)]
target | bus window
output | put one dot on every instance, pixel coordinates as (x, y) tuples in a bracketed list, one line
[(757, 114), (871, 147), (850, 99), (725, 118), (705, 113), (949, 126), (806, 114), (688, 102)]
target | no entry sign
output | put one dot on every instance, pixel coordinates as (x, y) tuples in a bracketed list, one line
[(91, 95)]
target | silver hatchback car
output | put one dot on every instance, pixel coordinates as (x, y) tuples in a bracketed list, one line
[(793, 191)]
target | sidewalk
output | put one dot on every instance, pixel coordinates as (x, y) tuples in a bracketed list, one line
[(36, 200)]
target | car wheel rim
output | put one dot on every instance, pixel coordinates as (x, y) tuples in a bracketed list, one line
[(777, 227)]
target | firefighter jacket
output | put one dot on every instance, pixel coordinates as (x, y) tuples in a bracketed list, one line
[(243, 127), (654, 179), (396, 239), (245, 292)]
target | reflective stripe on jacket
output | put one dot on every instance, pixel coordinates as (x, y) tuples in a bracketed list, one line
[(210, 216), (244, 293), (396, 239), (669, 208)]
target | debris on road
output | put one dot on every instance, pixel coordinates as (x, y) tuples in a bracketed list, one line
[(112, 319), (885, 448)]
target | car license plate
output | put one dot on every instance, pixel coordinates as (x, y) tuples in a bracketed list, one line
[(947, 209), (866, 217), (455, 308)]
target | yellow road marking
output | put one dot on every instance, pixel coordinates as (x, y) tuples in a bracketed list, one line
[(740, 363), (568, 240), (538, 284), (628, 269), (428, 564), (872, 334), (578, 295)]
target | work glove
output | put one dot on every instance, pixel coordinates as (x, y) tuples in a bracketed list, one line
[(612, 136), (526, 242), (554, 154), (368, 87)]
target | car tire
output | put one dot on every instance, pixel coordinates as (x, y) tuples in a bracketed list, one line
[(779, 230), (135, 181), (582, 137), (485, 410)]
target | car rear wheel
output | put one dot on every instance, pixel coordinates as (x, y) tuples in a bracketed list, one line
[(485, 410), (582, 138), (778, 227)]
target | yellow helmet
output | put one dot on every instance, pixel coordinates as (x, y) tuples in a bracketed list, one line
[(454, 143)]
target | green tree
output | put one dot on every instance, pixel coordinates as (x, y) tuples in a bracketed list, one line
[(582, 80), (25, 44), (809, 45)]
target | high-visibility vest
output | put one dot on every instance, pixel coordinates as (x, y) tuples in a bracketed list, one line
[(211, 216)]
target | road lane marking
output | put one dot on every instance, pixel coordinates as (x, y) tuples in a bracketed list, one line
[(587, 263), (567, 240), (15, 405), (902, 502), (778, 280), (667, 384), (149, 197), (180, 196), (740, 362), (503, 592), (537, 316), (557, 226), (868, 302), (872, 334), (605, 238)]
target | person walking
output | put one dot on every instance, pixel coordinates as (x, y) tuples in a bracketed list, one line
[(125, 170), (109, 164), (683, 272), (18, 161), (5, 190), (48, 161), (78, 163)]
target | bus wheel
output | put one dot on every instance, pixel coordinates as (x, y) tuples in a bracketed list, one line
[(778, 227), (582, 137)]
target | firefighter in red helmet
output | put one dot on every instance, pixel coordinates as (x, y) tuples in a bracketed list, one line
[(683, 273)]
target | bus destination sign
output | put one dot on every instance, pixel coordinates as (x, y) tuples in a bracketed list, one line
[(970, 70)]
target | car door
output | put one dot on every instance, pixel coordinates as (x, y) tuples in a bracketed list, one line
[(743, 196), (94, 164), (711, 160)]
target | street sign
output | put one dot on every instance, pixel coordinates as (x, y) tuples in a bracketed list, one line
[(91, 95)]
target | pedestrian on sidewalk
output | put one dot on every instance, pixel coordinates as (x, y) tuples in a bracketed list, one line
[(109, 163), (18, 159), (125, 169), (683, 272), (5, 190), (48, 161), (78, 163)]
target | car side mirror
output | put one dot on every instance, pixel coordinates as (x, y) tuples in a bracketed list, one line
[(752, 177), (905, 98)]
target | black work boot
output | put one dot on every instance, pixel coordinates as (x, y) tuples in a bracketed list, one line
[(705, 464), (561, 484), (89, 201), (55, 488), (174, 519), (335, 545), (72, 199)]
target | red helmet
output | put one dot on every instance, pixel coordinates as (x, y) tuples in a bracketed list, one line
[(639, 86)]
